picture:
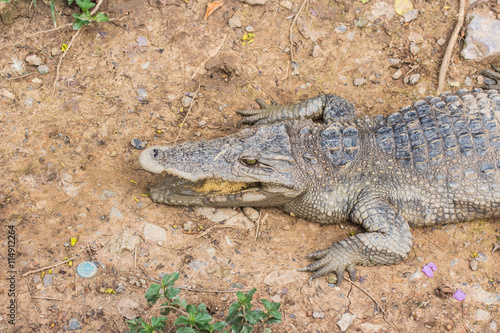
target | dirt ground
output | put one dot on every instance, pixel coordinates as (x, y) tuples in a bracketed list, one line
[(69, 169)]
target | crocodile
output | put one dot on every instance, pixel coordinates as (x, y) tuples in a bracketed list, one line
[(434, 162)]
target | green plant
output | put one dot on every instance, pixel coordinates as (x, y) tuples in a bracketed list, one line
[(241, 317), (85, 17)]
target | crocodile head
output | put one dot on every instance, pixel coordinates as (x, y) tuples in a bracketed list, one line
[(254, 167)]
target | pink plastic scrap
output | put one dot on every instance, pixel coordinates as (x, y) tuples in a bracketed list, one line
[(459, 295), (429, 268)]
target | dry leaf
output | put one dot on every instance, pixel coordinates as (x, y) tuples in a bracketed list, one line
[(212, 6), (402, 6)]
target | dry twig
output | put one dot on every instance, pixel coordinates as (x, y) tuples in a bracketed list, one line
[(449, 49), (187, 113), (51, 266), (367, 294), (291, 29)]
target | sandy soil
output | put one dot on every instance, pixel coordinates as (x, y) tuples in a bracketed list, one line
[(69, 170)]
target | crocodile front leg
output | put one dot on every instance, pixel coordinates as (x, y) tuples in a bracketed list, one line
[(327, 107), (387, 241)]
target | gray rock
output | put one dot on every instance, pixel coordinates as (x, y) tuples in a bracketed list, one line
[(126, 241), (249, 28), (295, 69), (282, 277), (34, 60), (482, 38), (154, 233), (482, 315), (234, 22), (43, 69), (74, 325), (454, 262), (29, 101), (359, 82), (141, 92), (186, 101), (251, 213), (189, 226), (142, 41), (340, 29), (318, 315), (473, 264), (138, 144), (414, 78), (47, 280), (55, 51), (410, 15), (481, 257), (106, 194), (115, 214), (414, 48), (397, 74), (345, 321), (441, 41), (468, 81), (493, 327)]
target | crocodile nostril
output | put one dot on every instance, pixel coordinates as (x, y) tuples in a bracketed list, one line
[(155, 153)]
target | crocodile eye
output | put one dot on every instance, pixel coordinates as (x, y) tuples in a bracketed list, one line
[(156, 153), (249, 161)]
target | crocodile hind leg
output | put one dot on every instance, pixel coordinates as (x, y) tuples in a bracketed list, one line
[(327, 107), (387, 241), (493, 75)]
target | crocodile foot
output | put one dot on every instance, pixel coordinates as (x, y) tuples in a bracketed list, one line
[(336, 259)]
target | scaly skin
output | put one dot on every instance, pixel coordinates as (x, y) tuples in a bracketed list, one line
[(434, 162)]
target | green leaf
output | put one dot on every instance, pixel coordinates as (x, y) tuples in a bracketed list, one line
[(169, 280), (202, 308), (79, 23), (253, 317), (180, 302), (153, 293), (218, 326), (158, 322), (85, 5), (70, 2), (204, 318), (101, 17), (275, 313), (246, 329), (135, 325), (273, 321), (165, 308), (233, 311), (171, 292), (182, 320), (6, 1), (185, 330)]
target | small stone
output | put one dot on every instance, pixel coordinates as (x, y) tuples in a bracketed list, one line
[(160, 243), (113, 154), (482, 315), (154, 233), (74, 325), (295, 69), (34, 60), (397, 74), (138, 144), (43, 69), (414, 78), (186, 101), (410, 15), (251, 213), (415, 37), (141, 92), (249, 28), (317, 51), (417, 275), (454, 262), (202, 123), (276, 298), (473, 264), (255, 2), (345, 321), (142, 41), (78, 149), (29, 101), (286, 4), (414, 48), (394, 61), (37, 80), (189, 226), (454, 84), (441, 41), (481, 257), (115, 214), (340, 29), (468, 81), (234, 22), (55, 51), (481, 39), (197, 264), (359, 82), (493, 326), (47, 280), (61, 288), (318, 315)]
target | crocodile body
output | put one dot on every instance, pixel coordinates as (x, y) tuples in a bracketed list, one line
[(435, 162)]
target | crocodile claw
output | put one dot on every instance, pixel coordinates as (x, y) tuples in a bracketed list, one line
[(327, 263)]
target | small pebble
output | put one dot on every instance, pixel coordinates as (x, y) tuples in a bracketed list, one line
[(113, 154), (234, 22), (468, 81), (142, 41), (36, 80), (74, 325), (29, 101), (295, 69), (441, 41), (397, 74), (47, 280), (43, 69), (318, 315), (414, 78), (249, 28), (186, 101), (138, 144), (55, 51), (317, 51), (359, 82), (473, 264), (34, 60), (414, 48), (340, 29), (202, 123), (160, 243), (286, 4), (410, 15), (141, 92)]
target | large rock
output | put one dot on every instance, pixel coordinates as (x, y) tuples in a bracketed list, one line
[(482, 39)]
